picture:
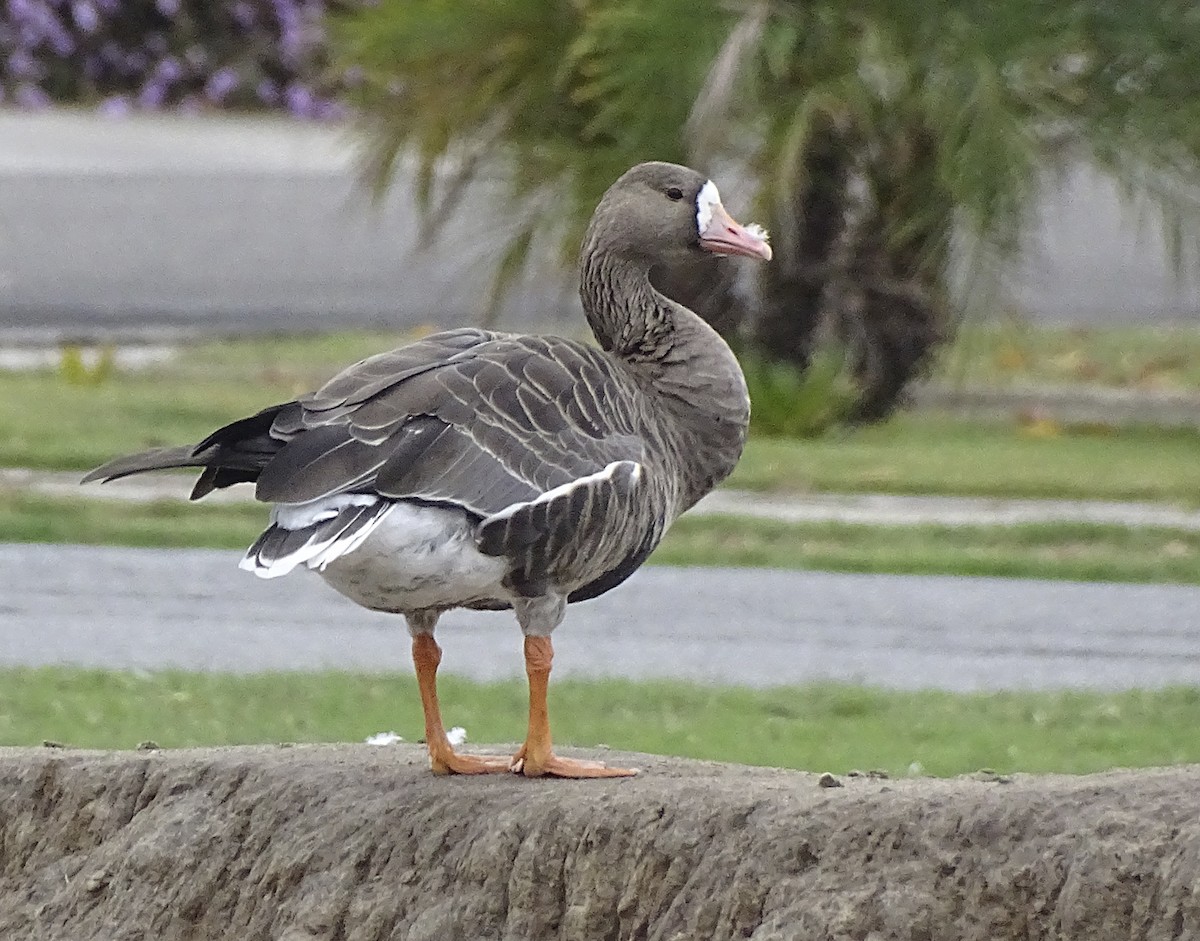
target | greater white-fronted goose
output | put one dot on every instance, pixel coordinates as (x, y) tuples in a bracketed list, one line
[(490, 470)]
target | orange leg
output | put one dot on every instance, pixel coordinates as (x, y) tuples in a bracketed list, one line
[(536, 757), (443, 759)]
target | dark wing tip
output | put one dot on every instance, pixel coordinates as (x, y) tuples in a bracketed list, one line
[(154, 459)]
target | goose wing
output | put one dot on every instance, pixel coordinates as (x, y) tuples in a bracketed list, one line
[(468, 417)]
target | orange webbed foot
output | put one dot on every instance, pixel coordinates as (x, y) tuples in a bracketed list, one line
[(451, 762), (555, 767)]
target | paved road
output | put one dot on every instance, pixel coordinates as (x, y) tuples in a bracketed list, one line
[(224, 225), (228, 224), (193, 609)]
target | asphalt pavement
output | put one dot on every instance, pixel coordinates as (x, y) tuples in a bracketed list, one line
[(174, 226), (194, 609), (166, 225)]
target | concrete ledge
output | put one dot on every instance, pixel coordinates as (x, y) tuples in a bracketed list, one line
[(363, 843)]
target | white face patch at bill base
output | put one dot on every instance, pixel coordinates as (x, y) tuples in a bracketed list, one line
[(706, 200)]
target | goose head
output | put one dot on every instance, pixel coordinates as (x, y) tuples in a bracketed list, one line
[(662, 213)]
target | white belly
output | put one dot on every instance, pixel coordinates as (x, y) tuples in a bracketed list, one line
[(418, 557)]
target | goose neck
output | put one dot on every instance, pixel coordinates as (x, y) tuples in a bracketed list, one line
[(628, 316), (697, 384)]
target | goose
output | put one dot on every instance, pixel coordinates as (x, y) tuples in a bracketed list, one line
[(488, 470)]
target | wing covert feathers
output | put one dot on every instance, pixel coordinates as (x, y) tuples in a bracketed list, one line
[(469, 418)]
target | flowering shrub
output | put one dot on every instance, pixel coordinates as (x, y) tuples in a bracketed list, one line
[(190, 55)]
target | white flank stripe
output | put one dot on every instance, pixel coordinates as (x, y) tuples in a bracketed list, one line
[(706, 199), (564, 489)]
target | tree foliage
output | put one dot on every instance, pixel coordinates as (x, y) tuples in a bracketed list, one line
[(896, 147)]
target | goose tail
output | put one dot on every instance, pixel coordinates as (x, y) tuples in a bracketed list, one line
[(152, 460)]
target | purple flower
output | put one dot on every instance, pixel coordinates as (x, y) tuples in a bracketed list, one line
[(329, 110), (61, 41), (167, 8), (169, 70), (21, 64), (135, 62), (118, 106), (291, 32), (299, 99), (30, 96), (267, 92), (37, 23), (152, 95), (220, 84), (26, 11), (85, 16), (243, 14)]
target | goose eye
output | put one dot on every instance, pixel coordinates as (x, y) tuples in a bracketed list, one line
[(674, 193)]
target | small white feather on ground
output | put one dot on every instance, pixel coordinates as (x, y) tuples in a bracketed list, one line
[(384, 738)]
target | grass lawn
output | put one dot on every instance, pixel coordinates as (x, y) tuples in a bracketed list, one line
[(1137, 357), (1045, 550), (922, 453), (53, 420), (819, 727)]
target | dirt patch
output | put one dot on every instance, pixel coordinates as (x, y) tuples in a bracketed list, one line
[(342, 842)]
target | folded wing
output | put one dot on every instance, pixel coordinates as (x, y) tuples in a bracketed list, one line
[(469, 418)]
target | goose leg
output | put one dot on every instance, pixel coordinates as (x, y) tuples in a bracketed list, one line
[(536, 757), (443, 759)]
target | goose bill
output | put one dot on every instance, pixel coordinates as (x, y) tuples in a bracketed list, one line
[(723, 236)]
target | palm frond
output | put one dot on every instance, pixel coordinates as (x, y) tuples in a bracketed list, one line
[(947, 118), (708, 121)]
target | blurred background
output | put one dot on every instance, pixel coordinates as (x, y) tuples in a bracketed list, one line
[(976, 352), (197, 165)]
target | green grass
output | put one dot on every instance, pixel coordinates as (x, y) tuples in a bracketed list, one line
[(1084, 552), (30, 518), (920, 453), (52, 422), (819, 727), (1166, 357), (1076, 551)]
